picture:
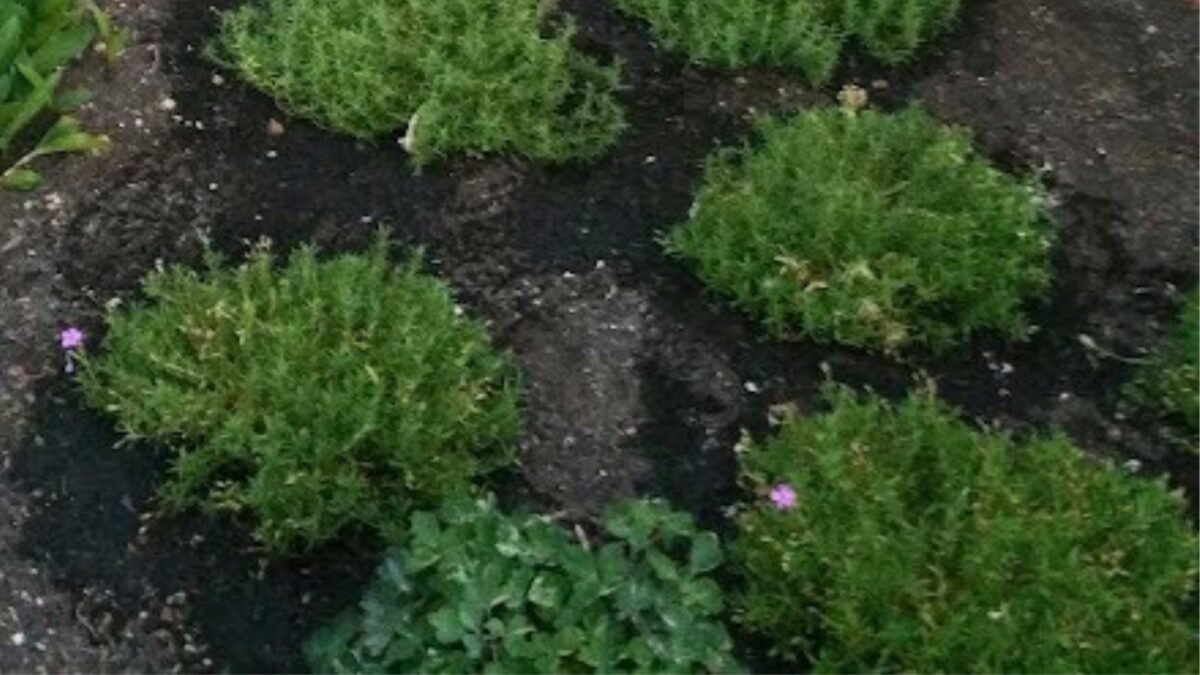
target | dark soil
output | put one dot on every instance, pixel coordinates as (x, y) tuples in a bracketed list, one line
[(639, 381)]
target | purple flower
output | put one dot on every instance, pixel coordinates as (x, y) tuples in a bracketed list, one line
[(71, 338), (783, 497)]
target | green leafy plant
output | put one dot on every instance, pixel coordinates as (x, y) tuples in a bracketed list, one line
[(873, 230), (899, 539), (315, 396), (1169, 386), (461, 75), (473, 590), (38, 38), (808, 35)]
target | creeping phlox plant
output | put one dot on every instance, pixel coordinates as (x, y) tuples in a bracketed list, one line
[(808, 35), (1169, 386), (314, 396), (38, 38), (895, 538), (460, 75), (872, 230), (473, 590)]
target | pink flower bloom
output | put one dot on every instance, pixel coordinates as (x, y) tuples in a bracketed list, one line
[(783, 497), (71, 338)]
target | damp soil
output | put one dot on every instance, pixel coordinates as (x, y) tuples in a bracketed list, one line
[(639, 381)]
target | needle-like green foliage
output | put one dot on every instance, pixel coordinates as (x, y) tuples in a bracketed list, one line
[(313, 397), (917, 544), (460, 75), (872, 230), (1170, 385), (808, 35)]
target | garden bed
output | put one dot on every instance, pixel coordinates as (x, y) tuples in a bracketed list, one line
[(639, 382)]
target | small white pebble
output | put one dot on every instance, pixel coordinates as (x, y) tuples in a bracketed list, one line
[(217, 79), (271, 154), (212, 186), (18, 639), (752, 387), (168, 104)]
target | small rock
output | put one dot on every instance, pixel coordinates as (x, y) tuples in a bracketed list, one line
[(168, 104), (275, 128), (18, 639), (217, 79), (852, 97)]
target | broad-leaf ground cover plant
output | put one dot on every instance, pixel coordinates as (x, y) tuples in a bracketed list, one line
[(313, 396), (807, 35), (38, 38), (453, 75), (473, 590), (884, 231), (896, 538)]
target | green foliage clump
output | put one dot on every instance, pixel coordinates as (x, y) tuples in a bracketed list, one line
[(1170, 385), (473, 590), (873, 230), (38, 38), (918, 544), (464, 75), (808, 35), (315, 396)]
